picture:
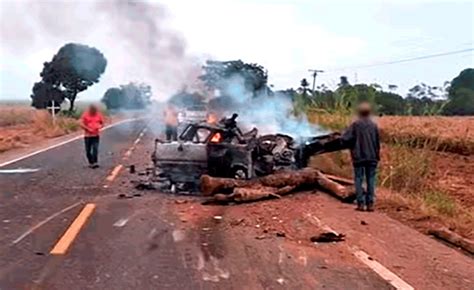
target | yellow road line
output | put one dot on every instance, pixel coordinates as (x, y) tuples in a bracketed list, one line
[(114, 172), (40, 224), (71, 233)]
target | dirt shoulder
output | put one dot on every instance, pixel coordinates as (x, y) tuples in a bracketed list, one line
[(432, 187), (418, 259)]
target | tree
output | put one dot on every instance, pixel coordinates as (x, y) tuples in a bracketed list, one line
[(226, 75), (128, 97), (465, 80), (390, 103), (113, 99), (44, 93), (460, 103), (186, 99), (344, 82), (423, 90), (304, 87), (72, 70), (461, 94), (392, 87)]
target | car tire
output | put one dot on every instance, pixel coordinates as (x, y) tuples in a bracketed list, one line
[(239, 173)]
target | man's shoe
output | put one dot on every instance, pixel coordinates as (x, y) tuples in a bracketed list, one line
[(370, 207), (91, 165), (360, 207), (95, 165)]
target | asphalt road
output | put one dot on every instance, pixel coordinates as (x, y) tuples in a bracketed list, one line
[(140, 243)]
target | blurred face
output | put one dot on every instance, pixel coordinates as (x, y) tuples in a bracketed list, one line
[(364, 109), (93, 109)]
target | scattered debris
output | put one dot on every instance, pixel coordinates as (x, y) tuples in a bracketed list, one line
[(280, 234), (237, 222), (178, 235), (281, 281), (218, 217), (132, 169), (121, 222), (328, 237), (180, 201), (128, 196), (364, 223), (145, 186)]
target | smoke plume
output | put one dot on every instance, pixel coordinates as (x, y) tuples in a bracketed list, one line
[(270, 114), (135, 37)]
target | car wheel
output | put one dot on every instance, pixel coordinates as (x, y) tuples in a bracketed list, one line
[(240, 173)]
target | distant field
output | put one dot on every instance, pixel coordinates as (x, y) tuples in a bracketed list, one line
[(448, 134), (443, 127)]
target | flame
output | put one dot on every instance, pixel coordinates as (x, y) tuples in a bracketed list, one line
[(216, 138), (211, 118)]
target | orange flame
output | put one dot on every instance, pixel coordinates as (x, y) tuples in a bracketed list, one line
[(216, 138)]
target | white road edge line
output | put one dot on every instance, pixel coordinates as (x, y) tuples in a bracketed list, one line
[(60, 144), (383, 272), (375, 266), (40, 224)]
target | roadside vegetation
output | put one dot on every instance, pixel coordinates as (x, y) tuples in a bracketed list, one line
[(409, 176), (21, 126), (428, 146)]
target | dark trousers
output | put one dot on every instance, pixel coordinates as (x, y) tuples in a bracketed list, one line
[(367, 172), (92, 149), (171, 133)]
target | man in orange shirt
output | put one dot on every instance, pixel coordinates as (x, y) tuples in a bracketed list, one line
[(92, 121), (171, 122)]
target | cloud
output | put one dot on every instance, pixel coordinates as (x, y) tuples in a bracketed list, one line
[(272, 34)]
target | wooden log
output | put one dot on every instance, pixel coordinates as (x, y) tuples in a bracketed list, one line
[(286, 181), (453, 238), (243, 194), (340, 180), (212, 185)]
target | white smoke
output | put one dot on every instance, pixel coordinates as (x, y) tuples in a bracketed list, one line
[(135, 37), (269, 114)]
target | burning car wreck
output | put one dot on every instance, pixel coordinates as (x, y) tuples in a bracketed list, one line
[(223, 150)]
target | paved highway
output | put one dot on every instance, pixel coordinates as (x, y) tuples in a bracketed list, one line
[(64, 227)]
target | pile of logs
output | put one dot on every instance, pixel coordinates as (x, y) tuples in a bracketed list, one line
[(223, 190)]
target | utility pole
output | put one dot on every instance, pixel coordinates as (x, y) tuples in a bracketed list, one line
[(315, 73)]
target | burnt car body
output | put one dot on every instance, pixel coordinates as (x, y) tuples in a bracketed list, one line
[(222, 150)]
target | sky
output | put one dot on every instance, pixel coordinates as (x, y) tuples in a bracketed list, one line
[(287, 37)]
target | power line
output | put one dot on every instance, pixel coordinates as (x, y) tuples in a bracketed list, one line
[(405, 60)]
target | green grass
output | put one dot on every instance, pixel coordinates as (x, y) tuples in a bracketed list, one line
[(441, 203)]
